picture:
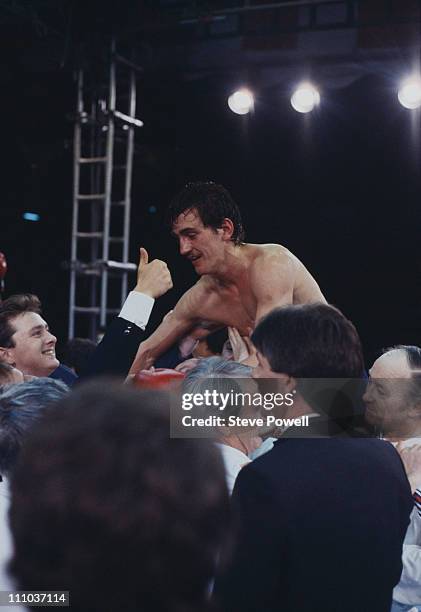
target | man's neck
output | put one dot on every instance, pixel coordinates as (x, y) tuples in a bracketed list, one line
[(234, 266), (298, 409), (404, 432)]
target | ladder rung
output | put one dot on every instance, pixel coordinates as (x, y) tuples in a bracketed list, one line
[(90, 309), (116, 239), (96, 310), (119, 167), (119, 203), (92, 160), (120, 266), (88, 272), (128, 119), (91, 196), (89, 234)]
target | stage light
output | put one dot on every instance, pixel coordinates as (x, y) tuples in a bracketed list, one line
[(241, 102), (409, 94), (305, 98), (30, 216)]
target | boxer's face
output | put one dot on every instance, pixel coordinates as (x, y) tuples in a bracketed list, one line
[(203, 246)]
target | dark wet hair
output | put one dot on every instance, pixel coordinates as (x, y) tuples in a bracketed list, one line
[(213, 203)]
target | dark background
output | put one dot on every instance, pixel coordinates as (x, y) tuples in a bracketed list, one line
[(339, 187)]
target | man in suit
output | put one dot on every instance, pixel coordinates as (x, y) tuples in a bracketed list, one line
[(321, 521), (116, 351), (27, 343)]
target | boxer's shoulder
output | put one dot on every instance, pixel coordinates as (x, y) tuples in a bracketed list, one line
[(270, 258)]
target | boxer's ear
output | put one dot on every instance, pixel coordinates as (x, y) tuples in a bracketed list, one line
[(227, 227)]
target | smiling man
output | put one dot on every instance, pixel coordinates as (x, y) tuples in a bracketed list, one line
[(25, 340), (239, 283), (27, 344)]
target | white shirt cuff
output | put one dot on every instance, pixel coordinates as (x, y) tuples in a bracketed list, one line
[(137, 308)]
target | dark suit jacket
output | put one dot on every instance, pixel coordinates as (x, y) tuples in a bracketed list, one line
[(64, 374), (320, 528), (115, 353)]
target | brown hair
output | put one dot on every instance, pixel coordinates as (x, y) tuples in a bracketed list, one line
[(11, 308)]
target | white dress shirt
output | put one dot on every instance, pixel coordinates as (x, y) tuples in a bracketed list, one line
[(408, 590), (137, 308)]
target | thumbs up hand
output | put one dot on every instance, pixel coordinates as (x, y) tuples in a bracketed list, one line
[(143, 256), (154, 278)]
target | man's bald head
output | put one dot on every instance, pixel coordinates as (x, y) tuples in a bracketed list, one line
[(393, 363), (393, 396)]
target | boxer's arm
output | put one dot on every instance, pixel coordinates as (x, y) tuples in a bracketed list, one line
[(272, 282), (174, 326)]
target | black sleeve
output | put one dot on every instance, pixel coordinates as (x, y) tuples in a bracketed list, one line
[(252, 577), (115, 353), (170, 359)]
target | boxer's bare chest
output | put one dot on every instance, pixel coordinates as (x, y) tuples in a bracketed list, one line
[(234, 307)]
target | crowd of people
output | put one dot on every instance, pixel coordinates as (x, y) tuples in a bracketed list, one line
[(102, 498)]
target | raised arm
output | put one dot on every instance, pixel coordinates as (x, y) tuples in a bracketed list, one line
[(174, 326)]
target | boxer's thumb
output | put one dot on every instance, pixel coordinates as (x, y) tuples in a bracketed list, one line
[(144, 257)]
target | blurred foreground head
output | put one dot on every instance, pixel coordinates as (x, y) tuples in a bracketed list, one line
[(107, 506), (21, 406)]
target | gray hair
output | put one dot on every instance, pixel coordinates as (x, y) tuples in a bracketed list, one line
[(216, 367), (20, 407), (215, 373)]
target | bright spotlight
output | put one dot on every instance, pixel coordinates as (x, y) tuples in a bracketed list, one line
[(241, 102), (305, 98), (409, 94)]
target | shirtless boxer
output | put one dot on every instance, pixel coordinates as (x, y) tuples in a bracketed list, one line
[(239, 282)]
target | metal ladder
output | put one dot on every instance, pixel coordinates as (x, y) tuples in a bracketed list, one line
[(102, 175)]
